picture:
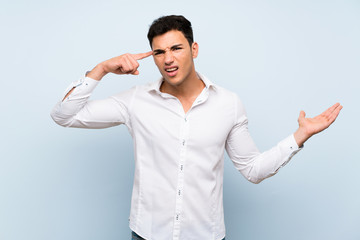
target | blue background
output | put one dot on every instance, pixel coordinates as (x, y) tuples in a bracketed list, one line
[(279, 56)]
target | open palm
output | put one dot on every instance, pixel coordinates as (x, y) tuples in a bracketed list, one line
[(320, 122), (311, 126)]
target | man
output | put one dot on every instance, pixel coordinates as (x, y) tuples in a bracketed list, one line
[(180, 126)]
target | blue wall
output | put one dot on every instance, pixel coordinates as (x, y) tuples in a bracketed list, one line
[(279, 56)]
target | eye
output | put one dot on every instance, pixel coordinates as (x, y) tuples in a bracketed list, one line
[(158, 53), (177, 48)]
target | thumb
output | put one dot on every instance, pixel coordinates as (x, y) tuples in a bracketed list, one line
[(301, 115), (136, 72)]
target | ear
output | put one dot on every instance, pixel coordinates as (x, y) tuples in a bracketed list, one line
[(195, 49)]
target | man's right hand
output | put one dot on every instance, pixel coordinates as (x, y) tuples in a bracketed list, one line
[(124, 64)]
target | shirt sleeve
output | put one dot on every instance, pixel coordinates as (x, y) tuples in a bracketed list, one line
[(76, 111), (254, 165)]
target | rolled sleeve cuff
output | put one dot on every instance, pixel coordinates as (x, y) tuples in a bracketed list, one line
[(293, 144), (83, 87), (290, 148)]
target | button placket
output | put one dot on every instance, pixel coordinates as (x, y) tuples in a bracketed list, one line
[(184, 131), (202, 97)]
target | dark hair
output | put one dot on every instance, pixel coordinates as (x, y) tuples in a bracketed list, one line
[(167, 23)]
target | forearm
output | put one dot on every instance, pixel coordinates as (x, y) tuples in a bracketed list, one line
[(65, 110), (74, 110), (256, 166), (97, 73), (77, 111)]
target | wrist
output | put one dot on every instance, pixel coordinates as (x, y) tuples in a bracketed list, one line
[(301, 136), (97, 73)]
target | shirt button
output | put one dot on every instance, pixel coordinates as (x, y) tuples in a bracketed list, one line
[(183, 143), (185, 119), (181, 167)]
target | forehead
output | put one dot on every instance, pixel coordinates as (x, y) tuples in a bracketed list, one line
[(168, 39)]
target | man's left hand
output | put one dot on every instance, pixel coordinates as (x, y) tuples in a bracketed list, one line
[(310, 126)]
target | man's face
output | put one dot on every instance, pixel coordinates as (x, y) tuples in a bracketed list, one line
[(174, 57)]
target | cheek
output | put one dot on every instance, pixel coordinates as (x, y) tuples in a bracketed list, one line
[(187, 60)]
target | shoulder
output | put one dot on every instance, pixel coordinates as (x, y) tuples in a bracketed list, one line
[(219, 91), (225, 96), (127, 96)]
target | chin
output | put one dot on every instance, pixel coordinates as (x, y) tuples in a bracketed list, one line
[(173, 81)]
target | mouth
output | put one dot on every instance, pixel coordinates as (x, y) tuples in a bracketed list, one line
[(171, 71)]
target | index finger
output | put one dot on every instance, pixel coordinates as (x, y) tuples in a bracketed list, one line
[(140, 56), (331, 109)]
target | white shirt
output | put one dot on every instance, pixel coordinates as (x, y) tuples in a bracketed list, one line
[(179, 157)]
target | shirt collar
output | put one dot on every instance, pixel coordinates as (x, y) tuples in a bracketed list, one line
[(155, 86)]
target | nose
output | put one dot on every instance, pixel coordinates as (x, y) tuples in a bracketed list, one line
[(169, 57)]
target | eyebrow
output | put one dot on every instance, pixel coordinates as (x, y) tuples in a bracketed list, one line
[(172, 47)]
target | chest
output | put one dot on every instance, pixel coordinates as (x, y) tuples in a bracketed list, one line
[(206, 123)]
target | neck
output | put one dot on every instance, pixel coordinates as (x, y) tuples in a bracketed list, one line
[(191, 87)]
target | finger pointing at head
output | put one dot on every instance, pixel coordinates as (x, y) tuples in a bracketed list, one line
[(140, 56)]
